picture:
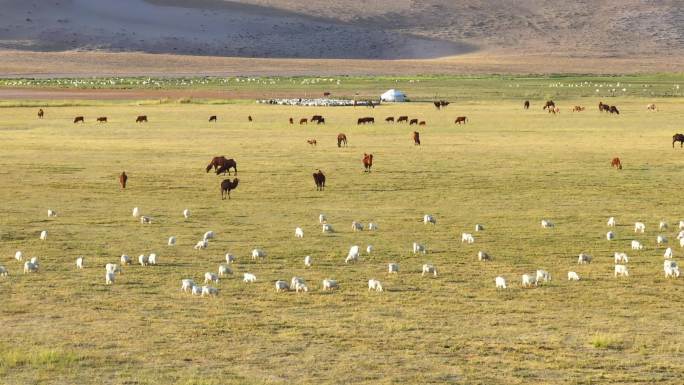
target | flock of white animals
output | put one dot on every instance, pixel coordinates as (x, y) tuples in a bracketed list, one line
[(298, 284)]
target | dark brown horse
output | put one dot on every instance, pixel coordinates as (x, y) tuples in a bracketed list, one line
[(141, 119), (603, 107), (226, 166), (461, 120), (317, 119), (678, 138), (102, 119), (421, 123), (123, 178), (291, 121), (218, 162), (303, 121), (319, 180), (402, 119), (367, 162), (613, 110), (41, 113), (365, 120), (440, 104), (212, 118), (341, 139), (389, 119), (526, 105), (311, 142), (416, 138), (413, 121), (249, 118), (227, 186), (616, 163), (549, 103), (79, 119)]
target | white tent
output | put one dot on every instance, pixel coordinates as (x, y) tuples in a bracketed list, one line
[(393, 96)]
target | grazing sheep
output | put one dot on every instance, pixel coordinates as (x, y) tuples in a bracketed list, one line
[(542, 276), (418, 248), (327, 228), (429, 269), (374, 284), (372, 226), (109, 278), (527, 281), (79, 262), (30, 267), (208, 235), (142, 259), (639, 227), (210, 277), (546, 224), (610, 235), (249, 277), (584, 259), (500, 282), (43, 235), (112, 268), (152, 259), (356, 226), (145, 220), (482, 256), (301, 287), (621, 270), (197, 290), (681, 242), (210, 291), (51, 213), (662, 225), (19, 256), (223, 270), (353, 255), (186, 213), (3, 271), (668, 253), (201, 245), (393, 268), (258, 253), (330, 284), (611, 222), (572, 276), (681, 225), (369, 249), (467, 237), (427, 218), (671, 269), (281, 286), (230, 258), (126, 260), (136, 212), (680, 235), (479, 227), (296, 280), (187, 284), (322, 219), (172, 241), (307, 261), (621, 257), (636, 245), (660, 239), (34, 260), (299, 233)]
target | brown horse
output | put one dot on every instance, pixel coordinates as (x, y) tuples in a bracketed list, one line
[(41, 113), (79, 119), (365, 120), (413, 121), (212, 118), (319, 180), (678, 138), (141, 119), (603, 107), (317, 119), (613, 110), (217, 162), (616, 163), (249, 118), (389, 119), (526, 105), (402, 119), (341, 139), (461, 120), (303, 121), (320, 121), (311, 141), (416, 138), (549, 103), (440, 104), (421, 123), (577, 109), (102, 119), (226, 166), (123, 178), (227, 186), (367, 162), (291, 121)]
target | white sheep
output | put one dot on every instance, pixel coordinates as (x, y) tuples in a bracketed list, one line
[(610, 235), (19, 256), (145, 220), (621, 258), (197, 290), (112, 268), (210, 291), (230, 258), (660, 239), (200, 245), (528, 281), (393, 268), (681, 242), (611, 222), (681, 225), (322, 219), (307, 261), (210, 277), (223, 270), (429, 269), (372, 226), (662, 225), (546, 224), (500, 282), (418, 248), (43, 235), (584, 259), (52, 213), (249, 277), (671, 269), (639, 227), (621, 270), (296, 280), (301, 287), (479, 227), (109, 278), (330, 284), (680, 235), (542, 276), (281, 286), (79, 262), (668, 253), (142, 260), (258, 253), (186, 213), (125, 260), (3, 271), (34, 260), (208, 235), (327, 228), (427, 218), (353, 254), (172, 241), (374, 284), (369, 249), (30, 267), (136, 212), (187, 284), (483, 256), (356, 226), (152, 259), (572, 276), (467, 237), (299, 233), (636, 245)]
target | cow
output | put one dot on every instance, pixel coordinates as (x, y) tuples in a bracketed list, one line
[(389, 119), (212, 118), (341, 139), (616, 163), (303, 121), (312, 142), (141, 119), (291, 121), (367, 162), (402, 119), (123, 178), (413, 121), (102, 119), (79, 119), (549, 103), (461, 120), (678, 138), (41, 113)]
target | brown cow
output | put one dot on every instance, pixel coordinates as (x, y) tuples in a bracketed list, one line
[(402, 119), (227, 186), (413, 121), (79, 119), (141, 119), (212, 118), (41, 113), (366, 120), (461, 120), (367, 162), (416, 138), (616, 163), (389, 119), (678, 138), (311, 141), (102, 119), (319, 180), (341, 139), (123, 178), (303, 121)]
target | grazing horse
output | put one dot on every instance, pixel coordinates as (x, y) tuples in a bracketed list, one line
[(461, 120), (212, 118), (319, 180), (311, 141), (317, 119), (367, 162), (554, 110), (441, 103), (123, 178), (41, 113), (365, 120), (141, 119), (402, 119), (413, 121), (227, 186), (613, 110), (102, 119), (291, 121), (421, 123), (577, 109), (389, 119), (650, 107), (303, 121), (678, 138), (603, 107), (526, 105), (249, 118), (549, 103), (416, 138), (616, 163), (320, 121), (226, 166), (216, 162), (79, 119), (341, 138)]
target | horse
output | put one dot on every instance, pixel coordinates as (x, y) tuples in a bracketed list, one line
[(413, 121), (416, 138), (421, 123), (341, 138), (227, 186), (316, 118), (549, 103), (311, 141), (650, 107), (102, 119), (141, 119), (678, 138), (303, 121), (218, 162), (603, 107), (461, 120), (441, 103), (613, 110), (554, 110), (365, 120), (616, 163), (79, 119), (320, 121), (577, 109), (123, 178), (249, 118), (402, 119), (319, 180), (291, 121), (212, 118), (41, 113), (389, 119), (326, 94), (367, 162), (226, 166), (526, 105)]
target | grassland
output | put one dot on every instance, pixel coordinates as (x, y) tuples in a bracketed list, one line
[(507, 169)]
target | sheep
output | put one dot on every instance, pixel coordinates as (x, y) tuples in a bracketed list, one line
[(210, 291), (681, 225), (30, 267), (546, 224), (281, 286), (572, 276), (258, 253), (3, 271), (230, 258), (330, 284), (356, 226), (527, 281), (43, 235), (662, 225), (187, 285), (668, 253), (427, 218), (353, 255), (210, 277), (372, 226), (152, 259), (307, 261), (636, 245), (418, 248), (621, 270), (143, 260), (112, 268), (483, 256), (680, 235), (125, 260), (467, 237), (249, 277), (611, 222), (52, 213), (19, 256), (109, 278), (639, 227), (172, 241), (479, 227), (584, 259), (145, 220), (296, 280), (374, 284), (223, 270), (136, 212), (429, 269), (299, 233), (79, 262), (369, 249), (34, 260), (300, 286), (208, 235), (322, 218), (327, 228), (393, 268), (200, 245), (542, 276), (671, 269), (610, 235), (621, 257), (197, 290), (186, 213), (500, 282), (660, 239)]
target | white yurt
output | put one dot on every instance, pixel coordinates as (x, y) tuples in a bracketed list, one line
[(393, 96)]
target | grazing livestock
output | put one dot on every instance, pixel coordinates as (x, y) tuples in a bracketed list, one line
[(136, 212), (322, 218), (353, 254), (208, 235), (577, 109), (301, 287), (43, 235), (209, 291), (318, 119), (112, 268), (554, 110), (616, 163), (621, 257), (249, 278), (152, 259), (249, 118), (421, 123), (549, 104), (542, 276), (79, 119), (200, 245), (299, 233), (227, 186), (330, 284), (312, 142), (413, 121), (212, 118), (143, 260), (123, 178), (102, 119), (610, 235), (678, 138), (41, 113), (671, 269), (197, 290), (402, 119), (429, 269), (356, 226), (30, 267), (125, 260), (145, 220), (639, 227), (418, 248), (216, 162), (291, 121), (440, 103), (374, 284), (584, 259), (527, 281), (341, 139), (479, 227), (416, 138), (51, 213), (109, 278), (572, 276), (461, 120), (467, 237), (186, 213), (526, 105), (652, 107), (226, 166), (501, 281), (483, 256), (308, 261), (230, 258), (680, 235), (327, 228), (427, 218), (389, 119), (319, 180), (546, 224), (210, 277), (281, 286), (79, 262), (636, 245), (141, 119), (369, 249), (662, 225), (668, 253), (367, 162), (3, 271), (303, 121), (603, 107), (393, 268), (258, 253), (611, 222), (660, 239), (614, 110), (621, 270), (187, 284), (365, 120), (19, 256), (372, 226)]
